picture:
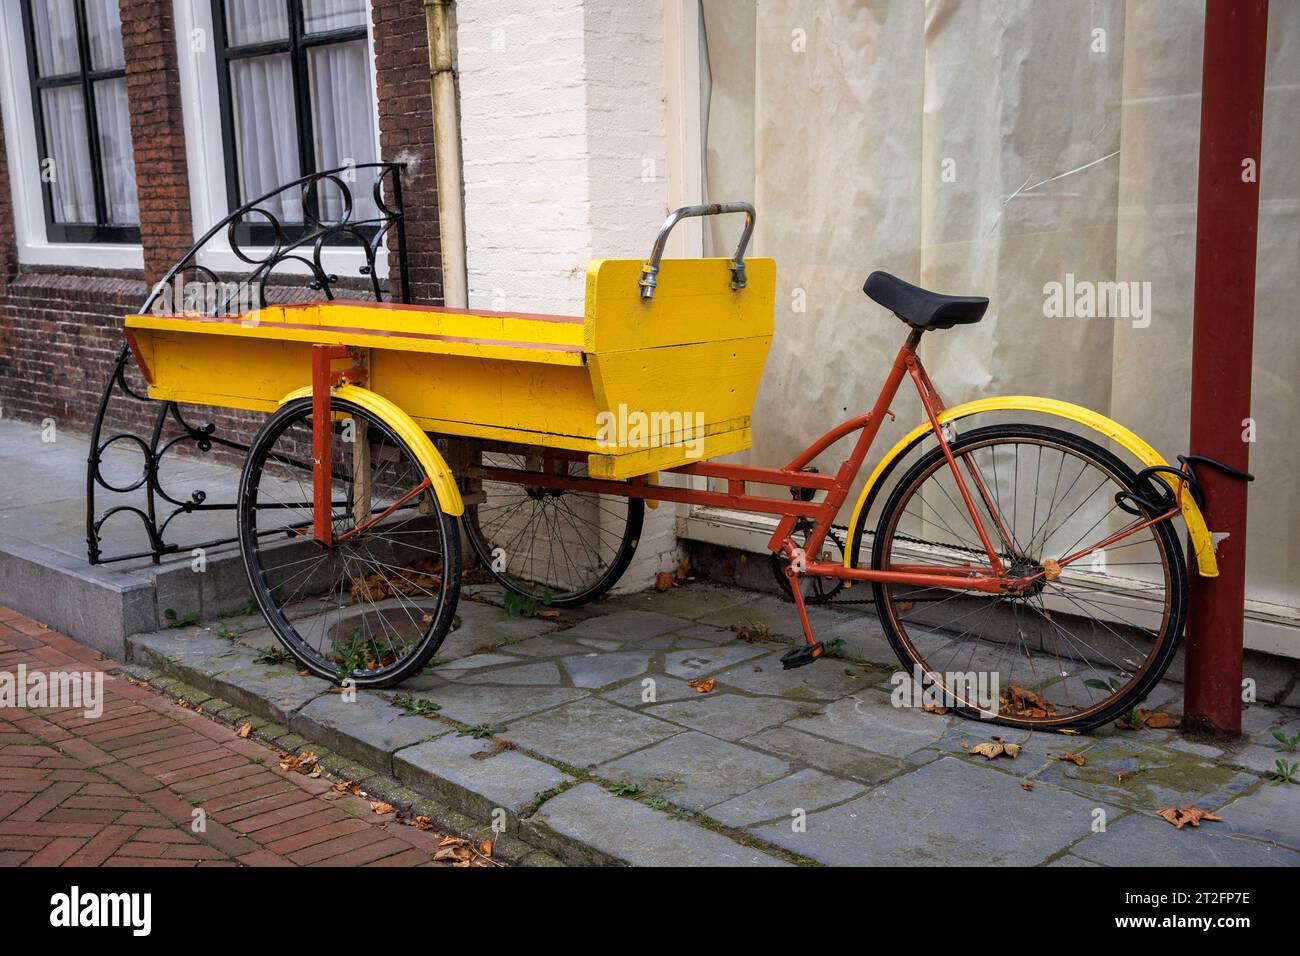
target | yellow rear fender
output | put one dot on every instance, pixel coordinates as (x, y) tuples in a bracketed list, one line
[(440, 476), (1202, 543)]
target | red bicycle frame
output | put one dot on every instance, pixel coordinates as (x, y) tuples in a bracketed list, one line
[(992, 579)]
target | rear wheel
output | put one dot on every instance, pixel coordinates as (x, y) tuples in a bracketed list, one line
[(552, 545), (375, 605), (1075, 651)]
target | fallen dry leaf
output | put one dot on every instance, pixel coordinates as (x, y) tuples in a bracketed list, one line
[(304, 673), (1181, 816), (702, 685), (663, 580), (1158, 719), (244, 731), (485, 847), (996, 747), (550, 613), (380, 807), (1028, 785), (683, 569), (935, 709), (346, 786), (1019, 702), (421, 823), (1076, 759), (304, 763), (461, 854)]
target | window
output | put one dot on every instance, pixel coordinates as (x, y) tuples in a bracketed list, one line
[(83, 127), (296, 98)]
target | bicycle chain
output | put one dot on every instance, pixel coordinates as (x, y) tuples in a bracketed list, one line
[(900, 537)]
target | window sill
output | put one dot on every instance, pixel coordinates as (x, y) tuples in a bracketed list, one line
[(82, 255)]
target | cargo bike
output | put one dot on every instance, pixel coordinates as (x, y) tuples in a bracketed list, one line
[(1030, 552)]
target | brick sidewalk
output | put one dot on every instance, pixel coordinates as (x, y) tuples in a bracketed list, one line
[(120, 790)]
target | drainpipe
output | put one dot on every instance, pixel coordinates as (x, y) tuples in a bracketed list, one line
[(439, 20)]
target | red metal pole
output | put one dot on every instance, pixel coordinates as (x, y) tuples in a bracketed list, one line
[(1227, 217), (321, 454)]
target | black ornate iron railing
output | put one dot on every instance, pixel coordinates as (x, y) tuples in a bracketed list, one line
[(259, 239)]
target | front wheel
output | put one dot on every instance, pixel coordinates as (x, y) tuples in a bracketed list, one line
[(1081, 646), (374, 606)]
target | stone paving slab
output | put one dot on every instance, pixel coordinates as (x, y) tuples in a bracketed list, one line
[(764, 742), (797, 746), (1146, 840), (485, 625), (628, 627), (625, 831), (948, 813), (728, 716), (1271, 812), (488, 704), (827, 680), (805, 790), (705, 662), (595, 669), (695, 771), (632, 694), (454, 768), (1152, 777), (693, 603), (368, 729), (539, 674), (869, 721), (588, 732)]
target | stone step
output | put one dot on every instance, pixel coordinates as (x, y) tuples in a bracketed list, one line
[(44, 571)]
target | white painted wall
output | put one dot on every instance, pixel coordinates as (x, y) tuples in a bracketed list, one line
[(565, 160)]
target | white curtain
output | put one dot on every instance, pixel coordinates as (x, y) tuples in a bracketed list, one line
[(64, 110), (321, 16), (71, 183), (104, 29), (55, 23), (990, 148), (343, 118), (266, 132), (342, 102), (115, 155)]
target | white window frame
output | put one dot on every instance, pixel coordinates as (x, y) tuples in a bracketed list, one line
[(34, 247), (205, 149)]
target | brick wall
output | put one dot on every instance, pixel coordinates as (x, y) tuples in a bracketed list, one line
[(8, 252), (406, 134), (60, 328), (157, 133)]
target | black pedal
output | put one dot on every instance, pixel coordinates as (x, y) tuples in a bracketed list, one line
[(800, 656)]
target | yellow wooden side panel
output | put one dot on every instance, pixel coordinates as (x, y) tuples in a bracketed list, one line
[(709, 381), (383, 327), (694, 302), (472, 397), (630, 463), (223, 370)]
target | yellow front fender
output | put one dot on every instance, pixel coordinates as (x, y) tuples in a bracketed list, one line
[(444, 484), (1202, 543)]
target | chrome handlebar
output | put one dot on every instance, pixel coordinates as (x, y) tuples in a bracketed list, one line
[(650, 271)]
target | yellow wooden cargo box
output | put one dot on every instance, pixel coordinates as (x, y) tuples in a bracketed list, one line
[(639, 385)]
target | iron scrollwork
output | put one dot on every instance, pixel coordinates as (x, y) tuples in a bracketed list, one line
[(260, 238)]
